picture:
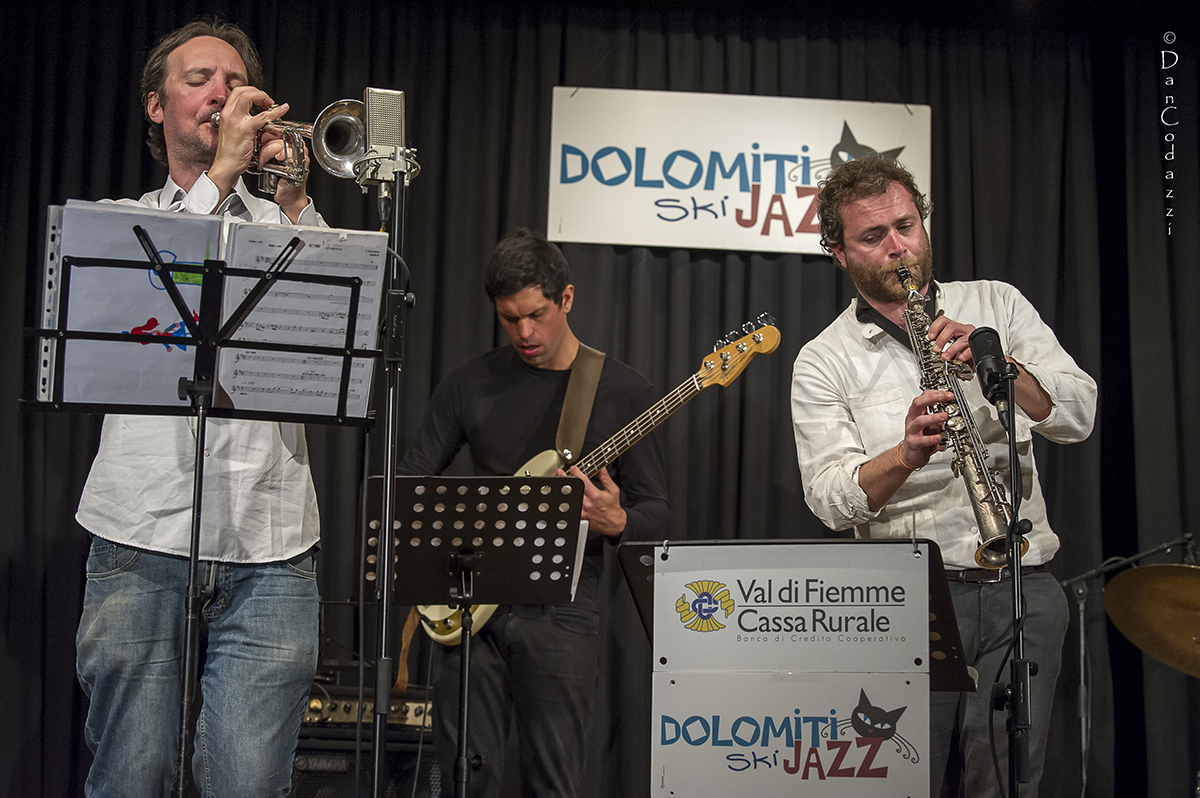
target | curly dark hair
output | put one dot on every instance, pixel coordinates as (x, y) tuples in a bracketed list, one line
[(154, 75), (853, 180), (522, 259)]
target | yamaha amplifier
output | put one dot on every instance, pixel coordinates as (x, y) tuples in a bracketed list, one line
[(330, 763), (339, 706)]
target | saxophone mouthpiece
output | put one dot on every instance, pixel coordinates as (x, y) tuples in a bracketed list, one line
[(906, 278)]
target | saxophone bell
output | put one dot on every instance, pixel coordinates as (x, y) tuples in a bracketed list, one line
[(992, 554)]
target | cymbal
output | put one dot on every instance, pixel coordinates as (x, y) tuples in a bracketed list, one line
[(1158, 608)]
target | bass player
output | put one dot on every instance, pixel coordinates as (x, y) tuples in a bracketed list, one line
[(535, 665)]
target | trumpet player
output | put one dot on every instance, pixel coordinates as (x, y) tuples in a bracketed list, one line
[(260, 526), (873, 454)]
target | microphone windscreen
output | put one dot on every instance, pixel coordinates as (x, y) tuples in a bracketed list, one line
[(385, 118), (989, 361), (985, 343)]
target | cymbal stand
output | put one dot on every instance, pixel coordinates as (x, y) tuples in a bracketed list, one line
[(1078, 586)]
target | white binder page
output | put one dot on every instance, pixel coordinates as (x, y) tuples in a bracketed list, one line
[(108, 299)]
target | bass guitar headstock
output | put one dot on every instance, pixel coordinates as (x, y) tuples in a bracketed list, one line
[(733, 353)]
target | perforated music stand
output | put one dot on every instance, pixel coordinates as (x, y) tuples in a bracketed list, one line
[(521, 533), (494, 540)]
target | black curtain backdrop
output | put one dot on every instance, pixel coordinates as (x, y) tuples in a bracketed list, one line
[(1049, 173)]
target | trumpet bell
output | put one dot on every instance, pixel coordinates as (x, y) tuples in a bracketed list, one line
[(339, 137)]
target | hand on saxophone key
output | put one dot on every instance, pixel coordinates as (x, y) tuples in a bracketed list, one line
[(923, 426), (952, 339)]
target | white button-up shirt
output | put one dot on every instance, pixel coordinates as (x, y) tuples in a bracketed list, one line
[(852, 386), (259, 503)]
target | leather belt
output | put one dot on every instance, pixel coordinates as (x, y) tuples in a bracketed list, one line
[(989, 575)]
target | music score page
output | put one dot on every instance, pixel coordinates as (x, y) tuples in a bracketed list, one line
[(303, 314)]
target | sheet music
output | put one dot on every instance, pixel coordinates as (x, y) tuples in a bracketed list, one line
[(580, 545), (103, 299), (301, 313), (133, 300)]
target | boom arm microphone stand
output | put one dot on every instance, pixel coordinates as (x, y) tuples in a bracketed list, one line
[(1079, 588)]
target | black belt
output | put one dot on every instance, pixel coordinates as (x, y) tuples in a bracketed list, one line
[(986, 575)]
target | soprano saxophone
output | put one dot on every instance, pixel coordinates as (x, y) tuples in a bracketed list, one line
[(992, 510)]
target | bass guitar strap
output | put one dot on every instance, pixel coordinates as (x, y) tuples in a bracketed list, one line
[(577, 404)]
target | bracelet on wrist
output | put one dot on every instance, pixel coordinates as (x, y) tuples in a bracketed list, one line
[(900, 457)]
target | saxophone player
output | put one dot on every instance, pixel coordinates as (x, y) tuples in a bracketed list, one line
[(873, 454)]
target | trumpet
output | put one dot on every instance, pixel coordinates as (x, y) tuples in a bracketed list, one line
[(338, 136)]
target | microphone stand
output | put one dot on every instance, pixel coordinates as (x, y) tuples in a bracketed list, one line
[(1016, 694), (397, 300)]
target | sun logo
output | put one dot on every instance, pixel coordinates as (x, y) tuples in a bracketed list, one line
[(698, 615)]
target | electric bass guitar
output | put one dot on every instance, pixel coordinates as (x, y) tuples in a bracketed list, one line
[(723, 366)]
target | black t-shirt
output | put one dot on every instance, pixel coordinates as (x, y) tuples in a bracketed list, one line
[(506, 411)]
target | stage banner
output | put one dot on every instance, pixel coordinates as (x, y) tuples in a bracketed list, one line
[(711, 171)]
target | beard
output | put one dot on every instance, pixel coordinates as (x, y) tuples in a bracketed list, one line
[(882, 284), (194, 148), (190, 143)]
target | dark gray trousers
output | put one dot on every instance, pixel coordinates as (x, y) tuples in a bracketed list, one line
[(960, 757), (533, 669)]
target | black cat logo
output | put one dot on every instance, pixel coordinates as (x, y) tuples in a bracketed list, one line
[(848, 149), (871, 721)]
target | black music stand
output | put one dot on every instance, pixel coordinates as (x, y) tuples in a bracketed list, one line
[(203, 335), (493, 540), (204, 394)]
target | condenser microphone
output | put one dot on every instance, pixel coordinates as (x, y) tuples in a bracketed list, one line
[(385, 153), (990, 367), (385, 118)]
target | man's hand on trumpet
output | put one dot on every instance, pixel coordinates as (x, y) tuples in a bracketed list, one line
[(239, 133), (291, 198)]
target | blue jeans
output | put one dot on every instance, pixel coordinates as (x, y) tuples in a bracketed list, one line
[(984, 613), (539, 665), (258, 654)]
